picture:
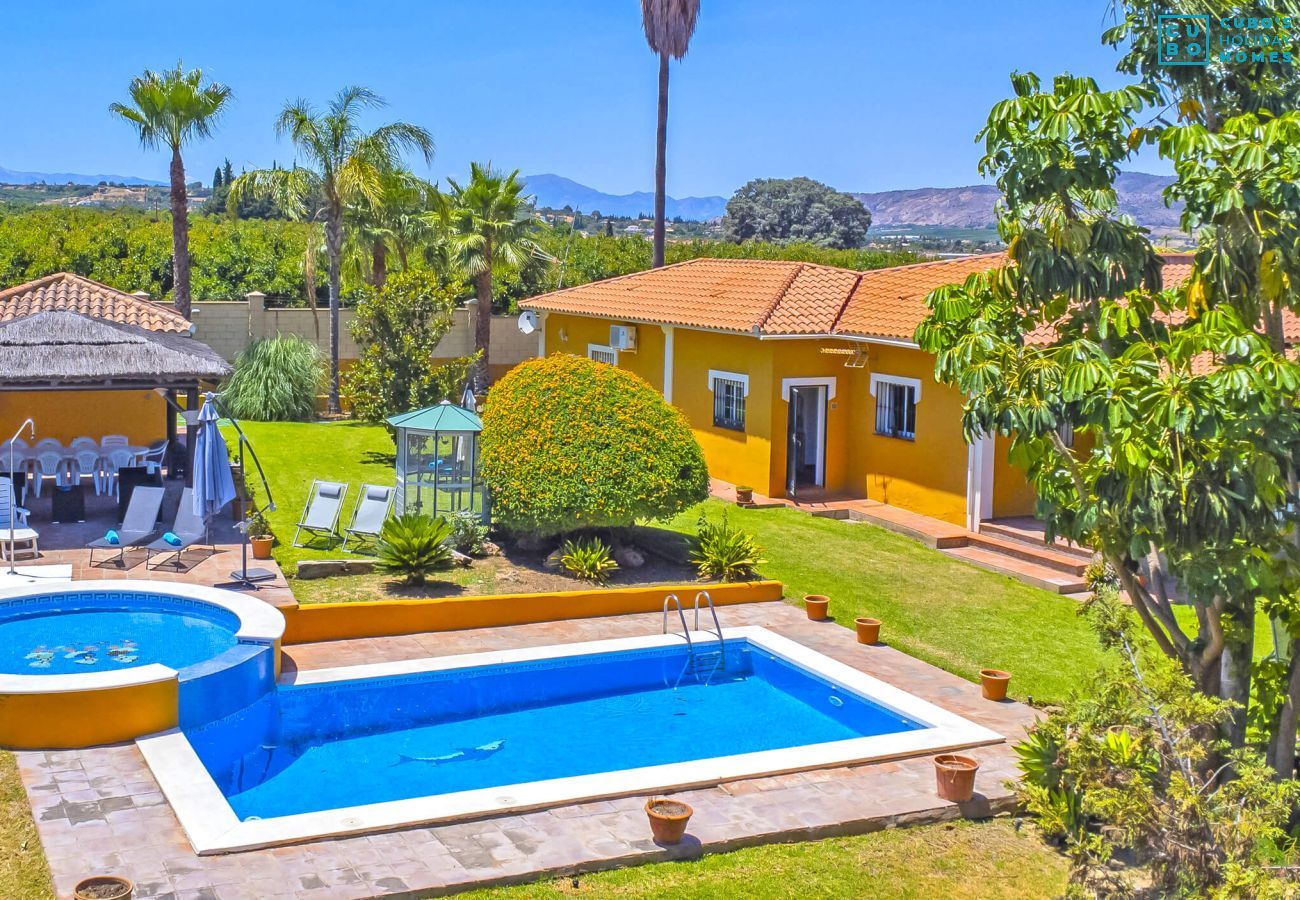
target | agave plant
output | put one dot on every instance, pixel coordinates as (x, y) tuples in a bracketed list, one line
[(414, 545)]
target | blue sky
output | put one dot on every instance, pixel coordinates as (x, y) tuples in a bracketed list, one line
[(862, 94)]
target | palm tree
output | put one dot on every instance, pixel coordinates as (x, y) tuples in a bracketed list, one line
[(344, 166), (397, 223), (668, 26), (489, 220), (170, 109)]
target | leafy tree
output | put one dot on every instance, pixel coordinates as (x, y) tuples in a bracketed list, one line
[(796, 209), (490, 224), (227, 173), (399, 328), (216, 178), (170, 109), (668, 26), (571, 444), (1185, 396), (343, 165)]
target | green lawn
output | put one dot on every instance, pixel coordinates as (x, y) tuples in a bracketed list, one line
[(974, 861), (23, 873)]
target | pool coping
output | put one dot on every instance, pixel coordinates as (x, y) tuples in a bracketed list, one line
[(212, 826), (259, 623)]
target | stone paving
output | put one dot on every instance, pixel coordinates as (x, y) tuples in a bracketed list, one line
[(100, 810)]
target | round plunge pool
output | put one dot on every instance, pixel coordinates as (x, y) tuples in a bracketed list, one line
[(92, 662)]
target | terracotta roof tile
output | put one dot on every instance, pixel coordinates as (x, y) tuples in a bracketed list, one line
[(890, 303), (776, 296), (65, 291)]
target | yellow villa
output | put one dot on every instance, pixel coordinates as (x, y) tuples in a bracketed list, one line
[(800, 380)]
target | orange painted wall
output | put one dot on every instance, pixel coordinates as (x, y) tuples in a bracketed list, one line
[(1012, 493), (65, 415), (804, 359), (926, 475)]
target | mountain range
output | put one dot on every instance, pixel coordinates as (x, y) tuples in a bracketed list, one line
[(974, 206), (956, 207), (9, 176), (557, 192)]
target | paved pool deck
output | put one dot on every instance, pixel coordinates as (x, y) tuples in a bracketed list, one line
[(100, 810)]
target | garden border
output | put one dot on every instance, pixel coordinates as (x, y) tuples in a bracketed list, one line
[(314, 622)]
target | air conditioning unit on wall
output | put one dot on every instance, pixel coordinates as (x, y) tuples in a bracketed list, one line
[(623, 337)]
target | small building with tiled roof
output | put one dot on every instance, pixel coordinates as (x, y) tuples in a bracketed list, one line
[(800, 380), (84, 359)]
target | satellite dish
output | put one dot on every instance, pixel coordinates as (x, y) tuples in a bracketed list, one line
[(528, 321)]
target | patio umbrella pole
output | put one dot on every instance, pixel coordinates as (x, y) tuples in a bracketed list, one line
[(245, 575)]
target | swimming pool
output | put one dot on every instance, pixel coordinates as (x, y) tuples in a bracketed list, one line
[(100, 661), (366, 747)]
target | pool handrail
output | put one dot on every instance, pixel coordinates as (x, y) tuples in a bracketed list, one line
[(681, 614)]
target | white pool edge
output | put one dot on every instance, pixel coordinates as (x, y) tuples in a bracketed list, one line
[(212, 826), (259, 623)]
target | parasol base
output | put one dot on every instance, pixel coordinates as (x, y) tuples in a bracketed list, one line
[(252, 575)]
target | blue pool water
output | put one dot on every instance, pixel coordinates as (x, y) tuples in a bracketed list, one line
[(316, 747), (61, 634)]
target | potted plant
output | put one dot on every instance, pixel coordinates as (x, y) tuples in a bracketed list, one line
[(104, 887), (260, 536), (816, 604), (955, 776), (993, 683), (868, 630), (668, 819), (744, 494)]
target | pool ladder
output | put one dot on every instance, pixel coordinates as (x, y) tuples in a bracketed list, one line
[(705, 663)]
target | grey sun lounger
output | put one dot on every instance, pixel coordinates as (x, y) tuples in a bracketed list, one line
[(324, 507), (374, 504), (140, 522), (188, 526)]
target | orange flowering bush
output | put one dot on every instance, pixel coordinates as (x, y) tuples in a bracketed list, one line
[(569, 443)]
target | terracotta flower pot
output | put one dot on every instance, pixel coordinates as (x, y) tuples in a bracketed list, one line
[(816, 605), (993, 682), (261, 547), (668, 819), (954, 777), (104, 887), (744, 495), (868, 630)]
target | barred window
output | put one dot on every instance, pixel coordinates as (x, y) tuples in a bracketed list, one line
[(896, 410), (729, 403), (601, 353)]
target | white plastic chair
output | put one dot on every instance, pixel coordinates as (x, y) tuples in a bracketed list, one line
[(90, 464), (54, 465), (114, 440), (83, 443), (152, 459), (117, 459), (47, 444), (24, 538)]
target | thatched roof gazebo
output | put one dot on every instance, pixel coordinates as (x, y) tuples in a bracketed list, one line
[(62, 350)]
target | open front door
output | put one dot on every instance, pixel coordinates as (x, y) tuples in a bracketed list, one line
[(805, 438)]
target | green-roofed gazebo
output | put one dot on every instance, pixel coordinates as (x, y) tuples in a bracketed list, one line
[(437, 461)]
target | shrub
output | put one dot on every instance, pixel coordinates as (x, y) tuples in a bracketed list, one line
[(724, 553), (275, 380), (467, 532), (570, 444), (413, 546), (588, 559), (1132, 769), (398, 328)]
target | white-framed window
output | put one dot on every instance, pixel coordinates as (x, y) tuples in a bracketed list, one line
[(602, 353), (729, 392), (896, 400)]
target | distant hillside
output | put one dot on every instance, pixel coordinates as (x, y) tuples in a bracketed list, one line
[(9, 176), (557, 192), (973, 206)]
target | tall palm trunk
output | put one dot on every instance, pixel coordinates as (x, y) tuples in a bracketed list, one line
[(334, 249), (180, 236), (378, 263), (483, 324), (661, 165)]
